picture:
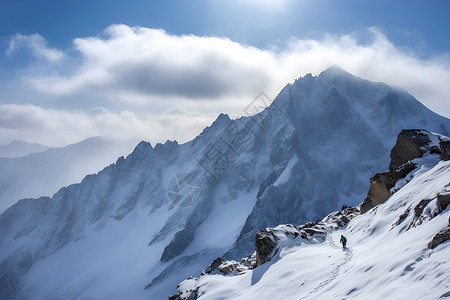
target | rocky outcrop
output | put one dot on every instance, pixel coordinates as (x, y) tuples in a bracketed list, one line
[(418, 210), (425, 209), (381, 185), (445, 150), (267, 244), (411, 144), (214, 265), (441, 237), (221, 266), (443, 200), (402, 217), (189, 293)]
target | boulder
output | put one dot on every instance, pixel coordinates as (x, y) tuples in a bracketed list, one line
[(214, 265), (443, 200), (445, 150), (408, 147), (418, 210), (441, 237), (381, 185), (265, 245), (227, 267), (402, 217)]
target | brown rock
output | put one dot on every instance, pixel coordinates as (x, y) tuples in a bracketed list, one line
[(441, 237), (445, 150), (407, 147), (443, 200), (418, 210), (382, 183), (214, 265), (265, 245), (227, 268), (402, 217)]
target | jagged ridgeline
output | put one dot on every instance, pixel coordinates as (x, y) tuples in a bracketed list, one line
[(406, 222), (142, 225)]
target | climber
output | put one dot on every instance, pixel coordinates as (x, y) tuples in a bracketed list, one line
[(343, 241)]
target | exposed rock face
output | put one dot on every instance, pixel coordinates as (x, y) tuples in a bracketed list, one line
[(411, 144), (402, 217), (443, 200), (269, 240), (227, 267), (187, 294), (222, 266), (265, 245), (425, 209), (441, 237), (418, 210), (382, 183), (408, 147), (214, 265), (445, 150)]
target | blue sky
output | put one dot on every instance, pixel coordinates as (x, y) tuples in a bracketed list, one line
[(417, 24), (183, 62)]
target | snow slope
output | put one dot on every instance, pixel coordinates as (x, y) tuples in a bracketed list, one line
[(44, 173), (145, 223), (20, 148), (384, 259)]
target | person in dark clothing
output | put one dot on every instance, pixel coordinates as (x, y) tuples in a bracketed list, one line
[(343, 241)]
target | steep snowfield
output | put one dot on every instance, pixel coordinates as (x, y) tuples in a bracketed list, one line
[(20, 148), (44, 173), (382, 260), (145, 223)]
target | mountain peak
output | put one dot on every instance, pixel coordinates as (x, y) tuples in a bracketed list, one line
[(335, 70)]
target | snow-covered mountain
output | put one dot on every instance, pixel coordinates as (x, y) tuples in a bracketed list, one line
[(20, 148), (165, 212), (397, 250), (44, 173)]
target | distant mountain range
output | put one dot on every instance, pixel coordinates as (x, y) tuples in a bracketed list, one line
[(45, 172), (143, 224), (20, 148)]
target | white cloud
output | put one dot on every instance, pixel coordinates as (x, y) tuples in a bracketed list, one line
[(152, 68), (61, 127), (138, 64), (143, 65), (37, 44)]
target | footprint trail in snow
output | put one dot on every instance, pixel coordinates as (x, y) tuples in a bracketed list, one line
[(335, 273)]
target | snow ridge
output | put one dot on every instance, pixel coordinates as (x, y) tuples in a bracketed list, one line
[(388, 254)]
